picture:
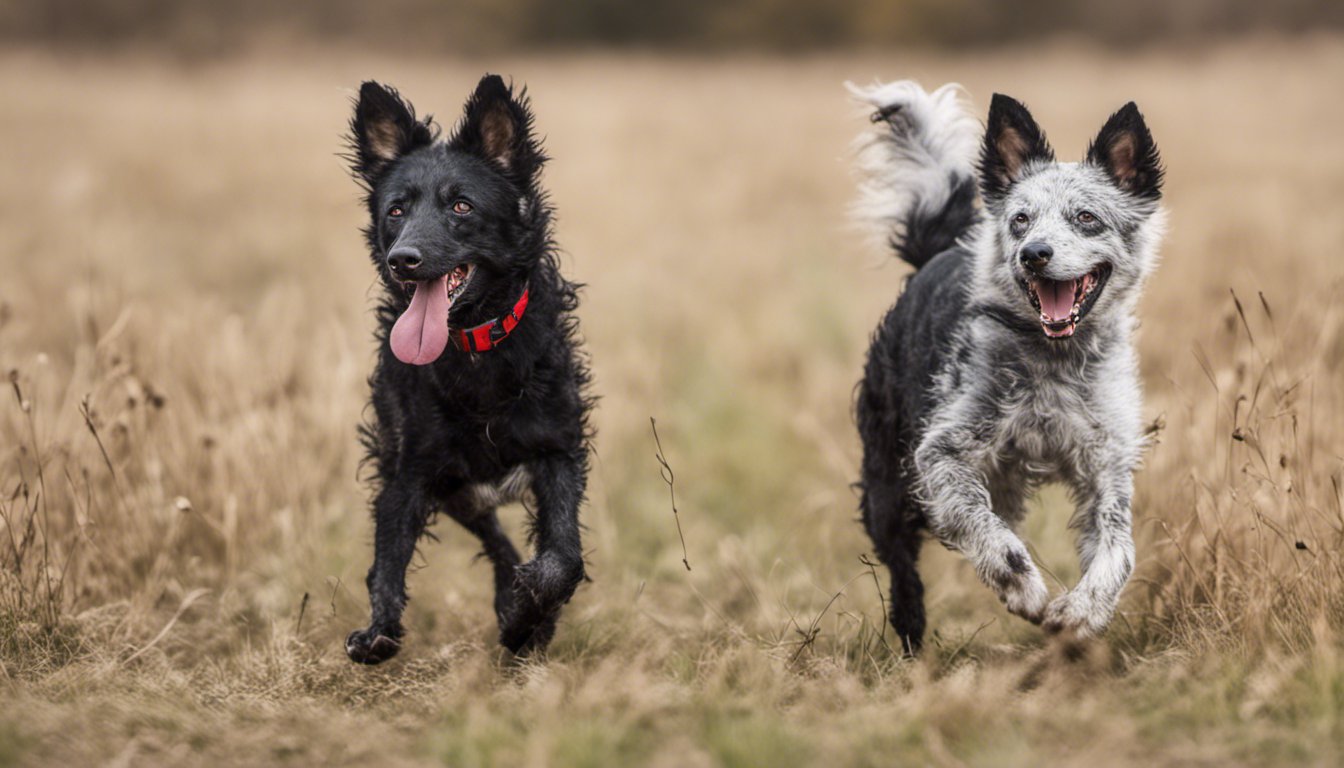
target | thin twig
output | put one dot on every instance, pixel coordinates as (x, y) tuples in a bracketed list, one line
[(665, 470), (303, 606), (41, 507), (967, 642), (336, 585), (191, 597), (882, 600), (813, 630), (86, 411), (1236, 301)]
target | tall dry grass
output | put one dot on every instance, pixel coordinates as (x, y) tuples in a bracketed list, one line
[(184, 329)]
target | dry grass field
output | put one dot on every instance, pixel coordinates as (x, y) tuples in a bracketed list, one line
[(184, 340)]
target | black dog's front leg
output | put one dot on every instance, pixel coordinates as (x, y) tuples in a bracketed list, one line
[(400, 512), (543, 585)]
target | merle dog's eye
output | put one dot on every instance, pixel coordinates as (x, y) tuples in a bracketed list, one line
[(1021, 219), (462, 207), (396, 212), (1086, 217)]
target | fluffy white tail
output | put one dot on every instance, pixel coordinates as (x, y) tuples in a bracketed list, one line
[(917, 186)]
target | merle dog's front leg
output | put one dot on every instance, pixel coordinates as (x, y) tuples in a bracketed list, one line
[(957, 499), (544, 584), (1106, 553), (400, 512)]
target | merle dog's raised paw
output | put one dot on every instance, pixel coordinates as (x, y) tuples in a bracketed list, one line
[(1075, 615), (371, 646)]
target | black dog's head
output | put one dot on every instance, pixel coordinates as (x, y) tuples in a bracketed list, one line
[(459, 224)]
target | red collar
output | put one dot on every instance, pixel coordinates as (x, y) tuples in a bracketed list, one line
[(488, 335)]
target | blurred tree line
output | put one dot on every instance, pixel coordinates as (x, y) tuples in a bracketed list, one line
[(204, 27)]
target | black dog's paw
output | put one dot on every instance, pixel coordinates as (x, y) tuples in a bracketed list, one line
[(527, 632), (540, 588), (504, 603), (372, 646)]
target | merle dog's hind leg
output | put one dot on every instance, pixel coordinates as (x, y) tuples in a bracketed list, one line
[(544, 584), (483, 522), (400, 512), (897, 538), (907, 593)]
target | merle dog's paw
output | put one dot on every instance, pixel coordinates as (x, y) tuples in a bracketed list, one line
[(540, 588), (1026, 596), (372, 646), (1076, 615), (1019, 584)]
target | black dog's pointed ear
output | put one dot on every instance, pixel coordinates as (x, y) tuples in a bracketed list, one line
[(1125, 151), (384, 128), (497, 126), (1012, 141)]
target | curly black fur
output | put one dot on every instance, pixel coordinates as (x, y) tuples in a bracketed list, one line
[(470, 430), (893, 396)]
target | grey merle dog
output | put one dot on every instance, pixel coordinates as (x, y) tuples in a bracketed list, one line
[(1007, 362), (479, 391)]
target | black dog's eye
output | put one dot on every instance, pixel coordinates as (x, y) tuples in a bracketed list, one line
[(1021, 219), (396, 212), (1086, 217), (461, 207)]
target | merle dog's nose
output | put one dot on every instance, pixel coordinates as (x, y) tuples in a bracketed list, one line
[(1036, 255), (403, 260)]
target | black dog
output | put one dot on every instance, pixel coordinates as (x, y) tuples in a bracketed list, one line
[(479, 391)]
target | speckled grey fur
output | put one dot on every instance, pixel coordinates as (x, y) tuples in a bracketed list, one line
[(966, 405)]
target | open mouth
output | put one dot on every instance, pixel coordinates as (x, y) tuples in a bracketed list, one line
[(457, 281), (1062, 304), (421, 333)]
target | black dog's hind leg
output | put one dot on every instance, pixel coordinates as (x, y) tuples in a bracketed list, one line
[(544, 584), (891, 523), (400, 512), (483, 522)]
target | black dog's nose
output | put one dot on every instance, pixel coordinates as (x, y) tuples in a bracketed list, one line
[(1036, 255), (403, 259)]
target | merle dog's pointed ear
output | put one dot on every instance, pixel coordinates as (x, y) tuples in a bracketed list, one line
[(384, 128), (1012, 141), (1125, 151), (497, 126)]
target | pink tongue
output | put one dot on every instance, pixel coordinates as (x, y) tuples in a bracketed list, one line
[(1057, 298), (421, 332)]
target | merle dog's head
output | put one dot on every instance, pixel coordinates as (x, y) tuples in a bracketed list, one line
[(457, 224), (1071, 239)]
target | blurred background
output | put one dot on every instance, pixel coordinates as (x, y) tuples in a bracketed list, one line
[(185, 336), (447, 27)]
